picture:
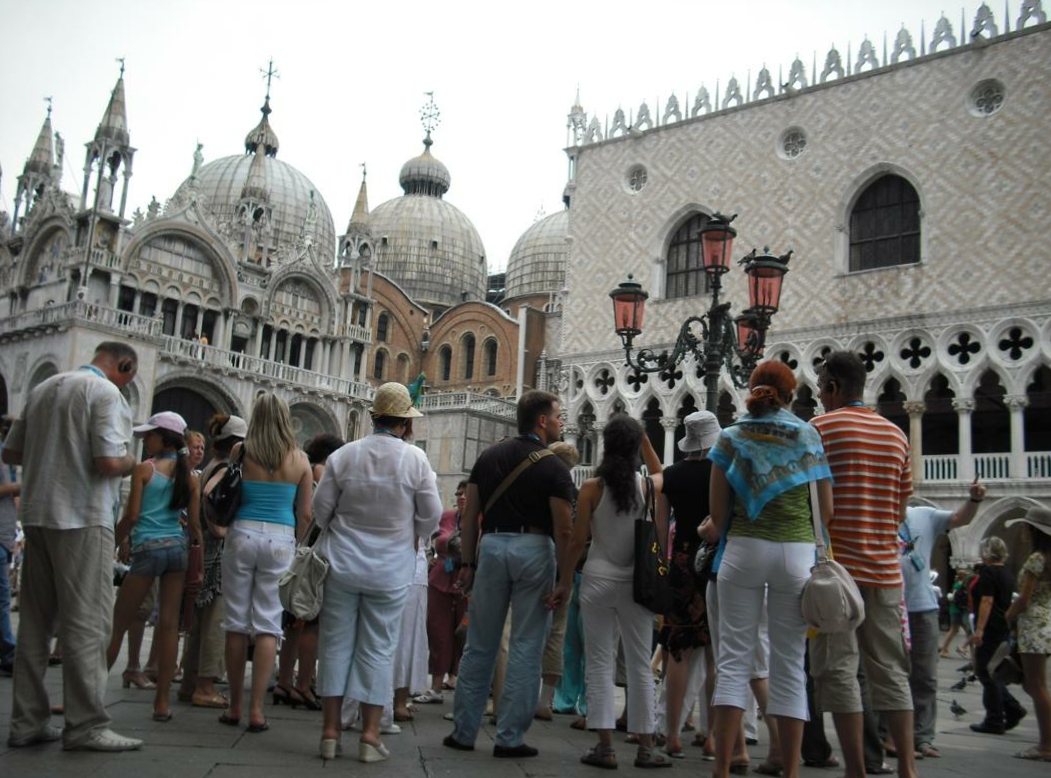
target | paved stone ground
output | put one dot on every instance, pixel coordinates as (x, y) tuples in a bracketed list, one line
[(194, 745)]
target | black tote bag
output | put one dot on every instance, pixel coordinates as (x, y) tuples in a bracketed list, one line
[(651, 585)]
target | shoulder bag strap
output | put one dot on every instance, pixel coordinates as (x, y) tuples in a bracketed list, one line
[(534, 456), (819, 534)]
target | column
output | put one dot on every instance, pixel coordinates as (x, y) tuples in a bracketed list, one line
[(326, 357), (302, 353), (1016, 404), (598, 426), (199, 329), (136, 305), (346, 366), (219, 331), (964, 408), (257, 345), (363, 376), (114, 290), (669, 425), (178, 319), (570, 433), (915, 411), (273, 345)]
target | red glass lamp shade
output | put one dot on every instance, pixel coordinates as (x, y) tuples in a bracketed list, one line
[(749, 335), (629, 304), (765, 275), (717, 241)]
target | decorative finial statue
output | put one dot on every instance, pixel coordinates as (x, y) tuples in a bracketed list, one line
[(121, 61), (364, 172), (430, 116), (49, 101), (270, 73), (198, 160)]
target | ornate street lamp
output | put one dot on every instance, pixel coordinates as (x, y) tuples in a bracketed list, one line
[(710, 338)]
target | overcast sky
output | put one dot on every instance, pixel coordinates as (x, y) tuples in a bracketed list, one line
[(353, 77)]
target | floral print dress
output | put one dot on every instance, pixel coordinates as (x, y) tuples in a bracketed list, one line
[(1034, 623)]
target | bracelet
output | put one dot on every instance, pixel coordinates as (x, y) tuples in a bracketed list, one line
[(974, 500)]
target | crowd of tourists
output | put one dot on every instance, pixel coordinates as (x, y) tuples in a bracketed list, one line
[(524, 599)]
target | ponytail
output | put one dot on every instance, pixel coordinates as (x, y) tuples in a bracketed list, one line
[(182, 476)]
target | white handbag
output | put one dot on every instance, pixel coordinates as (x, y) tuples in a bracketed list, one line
[(301, 588), (831, 600)]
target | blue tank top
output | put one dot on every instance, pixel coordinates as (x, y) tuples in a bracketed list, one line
[(156, 519), (267, 501)]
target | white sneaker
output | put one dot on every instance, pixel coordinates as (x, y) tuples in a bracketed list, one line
[(104, 740), (429, 697), (390, 729), (449, 716), (47, 734)]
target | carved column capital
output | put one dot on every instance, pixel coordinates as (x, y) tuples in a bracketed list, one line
[(669, 423), (963, 405), (915, 407), (570, 429), (1016, 402)]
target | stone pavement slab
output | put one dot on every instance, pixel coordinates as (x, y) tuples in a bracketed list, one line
[(194, 745)]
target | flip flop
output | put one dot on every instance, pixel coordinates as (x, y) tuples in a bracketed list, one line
[(229, 721), (215, 701), (768, 768), (259, 727), (679, 754), (829, 763), (162, 717)]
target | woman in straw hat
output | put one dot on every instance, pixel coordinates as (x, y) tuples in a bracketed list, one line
[(377, 496), (1032, 609)]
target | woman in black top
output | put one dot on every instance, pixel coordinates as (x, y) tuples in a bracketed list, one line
[(686, 624), (991, 597)]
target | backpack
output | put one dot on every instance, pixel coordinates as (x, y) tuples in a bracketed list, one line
[(959, 597)]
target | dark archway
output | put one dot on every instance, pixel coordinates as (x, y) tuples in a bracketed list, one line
[(651, 422), (991, 421), (890, 405), (941, 429), (195, 408), (689, 405)]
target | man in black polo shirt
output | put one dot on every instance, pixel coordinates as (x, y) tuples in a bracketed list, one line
[(514, 566)]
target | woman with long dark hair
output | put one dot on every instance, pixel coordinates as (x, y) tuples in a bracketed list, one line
[(1032, 609), (607, 508), (762, 468), (151, 533)]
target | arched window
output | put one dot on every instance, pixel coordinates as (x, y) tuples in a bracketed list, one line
[(490, 357), (885, 225), (379, 364), (445, 362), (468, 356), (684, 265), (403, 368), (382, 323)]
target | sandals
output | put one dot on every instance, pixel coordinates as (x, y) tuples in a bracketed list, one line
[(768, 768), (1033, 754), (647, 757), (927, 751), (828, 763), (600, 756), (215, 701), (739, 767), (579, 723)]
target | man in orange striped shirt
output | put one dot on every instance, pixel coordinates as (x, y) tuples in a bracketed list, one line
[(869, 457)]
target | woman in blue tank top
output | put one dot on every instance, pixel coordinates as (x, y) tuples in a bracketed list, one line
[(276, 494), (151, 532)]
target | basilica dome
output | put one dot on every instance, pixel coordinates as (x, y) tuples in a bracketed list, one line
[(426, 245), (288, 191), (537, 264)]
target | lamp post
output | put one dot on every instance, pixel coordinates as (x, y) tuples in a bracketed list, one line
[(714, 339)]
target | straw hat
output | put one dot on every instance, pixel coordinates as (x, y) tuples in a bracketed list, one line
[(1037, 517), (702, 430), (392, 399)]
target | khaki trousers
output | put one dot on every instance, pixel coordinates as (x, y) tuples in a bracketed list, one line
[(204, 647), (67, 590)]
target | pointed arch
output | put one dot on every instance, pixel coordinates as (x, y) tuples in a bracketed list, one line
[(856, 190)]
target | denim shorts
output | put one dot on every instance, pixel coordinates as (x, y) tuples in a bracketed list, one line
[(154, 558)]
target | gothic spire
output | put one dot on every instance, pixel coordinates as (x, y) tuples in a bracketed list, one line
[(114, 124), (43, 157), (360, 217)]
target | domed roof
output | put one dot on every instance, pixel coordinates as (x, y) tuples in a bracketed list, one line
[(430, 248), (537, 264), (425, 174), (289, 196)]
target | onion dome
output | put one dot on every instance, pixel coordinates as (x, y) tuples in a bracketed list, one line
[(537, 264), (425, 175), (263, 134)]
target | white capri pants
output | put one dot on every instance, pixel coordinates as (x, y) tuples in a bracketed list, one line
[(357, 639), (606, 604), (256, 554), (751, 567)]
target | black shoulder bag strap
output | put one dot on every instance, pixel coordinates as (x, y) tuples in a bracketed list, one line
[(534, 456)]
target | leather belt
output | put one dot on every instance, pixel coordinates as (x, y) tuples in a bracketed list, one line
[(523, 530)]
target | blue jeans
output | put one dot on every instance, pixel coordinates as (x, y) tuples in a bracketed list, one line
[(7, 636), (518, 571)]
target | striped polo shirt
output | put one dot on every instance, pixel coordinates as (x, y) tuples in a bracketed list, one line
[(869, 457)]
